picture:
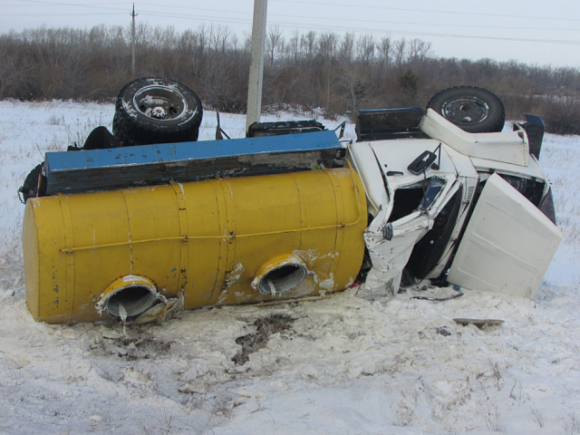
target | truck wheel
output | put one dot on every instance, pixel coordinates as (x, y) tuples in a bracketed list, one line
[(156, 110), (473, 109), (34, 184)]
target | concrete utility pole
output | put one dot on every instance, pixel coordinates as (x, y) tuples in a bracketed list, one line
[(257, 63), (133, 43)]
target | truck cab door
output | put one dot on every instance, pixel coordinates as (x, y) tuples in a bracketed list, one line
[(507, 246)]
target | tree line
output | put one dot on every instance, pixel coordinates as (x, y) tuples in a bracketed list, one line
[(336, 73)]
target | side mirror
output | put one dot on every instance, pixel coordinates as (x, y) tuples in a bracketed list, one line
[(421, 163)]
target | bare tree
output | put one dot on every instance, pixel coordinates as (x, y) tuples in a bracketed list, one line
[(274, 42), (385, 47), (400, 49), (365, 48), (346, 49), (294, 47), (9, 73), (326, 48), (308, 42), (219, 38), (327, 43), (417, 50), (162, 38)]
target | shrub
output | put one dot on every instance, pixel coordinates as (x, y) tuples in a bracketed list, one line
[(562, 115)]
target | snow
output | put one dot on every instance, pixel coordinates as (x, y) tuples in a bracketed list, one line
[(344, 365)]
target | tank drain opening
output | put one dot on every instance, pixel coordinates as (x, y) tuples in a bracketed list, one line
[(282, 279), (130, 301)]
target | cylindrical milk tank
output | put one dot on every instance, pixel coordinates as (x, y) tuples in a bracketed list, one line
[(210, 241)]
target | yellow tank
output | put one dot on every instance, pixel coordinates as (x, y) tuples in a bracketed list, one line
[(214, 242)]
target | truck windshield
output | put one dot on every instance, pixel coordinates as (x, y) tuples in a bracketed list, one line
[(433, 189)]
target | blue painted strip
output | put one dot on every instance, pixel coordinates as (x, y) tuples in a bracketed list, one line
[(188, 151), (91, 170)]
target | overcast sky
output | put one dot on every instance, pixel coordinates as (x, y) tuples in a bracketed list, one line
[(537, 32)]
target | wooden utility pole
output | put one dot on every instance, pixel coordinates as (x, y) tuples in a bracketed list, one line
[(257, 63), (133, 43)]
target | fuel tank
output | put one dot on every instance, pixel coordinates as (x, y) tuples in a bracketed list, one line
[(216, 242)]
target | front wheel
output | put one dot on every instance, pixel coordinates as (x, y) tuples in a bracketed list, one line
[(473, 109), (34, 184), (156, 110)]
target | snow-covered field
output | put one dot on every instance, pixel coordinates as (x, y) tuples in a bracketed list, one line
[(341, 365)]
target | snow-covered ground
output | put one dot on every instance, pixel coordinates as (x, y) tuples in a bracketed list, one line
[(341, 365)]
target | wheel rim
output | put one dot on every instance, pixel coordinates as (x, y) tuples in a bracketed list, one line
[(465, 111), (161, 103)]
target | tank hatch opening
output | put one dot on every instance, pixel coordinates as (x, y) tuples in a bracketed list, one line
[(280, 275), (128, 297)]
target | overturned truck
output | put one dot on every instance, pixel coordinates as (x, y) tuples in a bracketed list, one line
[(146, 220)]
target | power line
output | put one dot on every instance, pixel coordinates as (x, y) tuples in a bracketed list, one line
[(367, 30), (72, 4), (249, 12), (445, 35), (234, 20), (61, 14), (359, 6), (198, 18), (436, 24), (241, 20), (339, 19), (319, 26)]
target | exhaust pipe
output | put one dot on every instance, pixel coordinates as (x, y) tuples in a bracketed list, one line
[(128, 297), (280, 275)]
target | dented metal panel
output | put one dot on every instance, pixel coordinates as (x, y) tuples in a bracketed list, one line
[(206, 241), (385, 163)]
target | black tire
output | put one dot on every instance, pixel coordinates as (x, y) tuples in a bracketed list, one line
[(101, 138), (156, 110), (34, 184), (473, 109)]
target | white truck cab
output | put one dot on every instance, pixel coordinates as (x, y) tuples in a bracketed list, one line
[(443, 208)]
